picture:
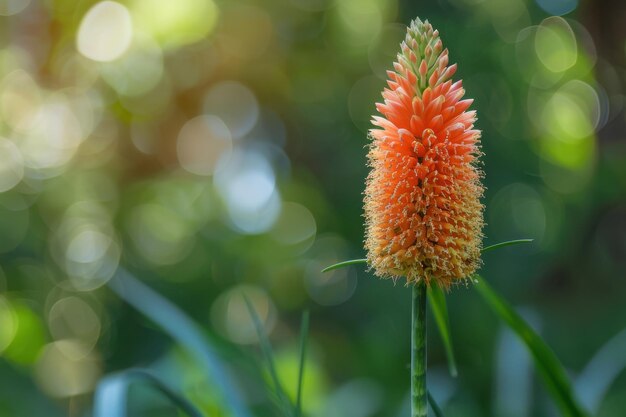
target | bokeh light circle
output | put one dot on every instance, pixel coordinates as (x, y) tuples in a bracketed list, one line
[(73, 319), (26, 331), (175, 23), (332, 287), (231, 317), (105, 32), (558, 7), (235, 104), (11, 165), (568, 122), (20, 101), (138, 71), (363, 94), (8, 324), (65, 369), (12, 7), (555, 44), (85, 245), (382, 52), (202, 143), (361, 20), (55, 138), (518, 209), (160, 235), (247, 184), (295, 225)]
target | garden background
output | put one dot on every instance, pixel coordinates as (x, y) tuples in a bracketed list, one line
[(216, 148)]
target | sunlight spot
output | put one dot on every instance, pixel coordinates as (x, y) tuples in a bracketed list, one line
[(105, 32)]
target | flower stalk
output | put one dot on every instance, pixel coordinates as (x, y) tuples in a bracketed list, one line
[(419, 393)]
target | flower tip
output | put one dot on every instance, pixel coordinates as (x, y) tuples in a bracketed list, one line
[(423, 68)]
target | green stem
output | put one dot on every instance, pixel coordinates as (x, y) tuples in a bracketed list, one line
[(419, 399)]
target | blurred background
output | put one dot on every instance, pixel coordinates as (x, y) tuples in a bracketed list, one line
[(216, 148)]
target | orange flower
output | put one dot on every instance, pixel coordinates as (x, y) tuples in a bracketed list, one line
[(423, 213)]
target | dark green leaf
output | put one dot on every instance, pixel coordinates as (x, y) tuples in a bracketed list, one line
[(439, 308), (546, 362)]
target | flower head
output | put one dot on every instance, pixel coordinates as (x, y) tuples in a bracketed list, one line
[(423, 212)]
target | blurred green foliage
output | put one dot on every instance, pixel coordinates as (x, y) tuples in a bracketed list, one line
[(216, 148)]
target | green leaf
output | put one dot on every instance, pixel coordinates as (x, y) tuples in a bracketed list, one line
[(111, 394), (434, 406), (546, 362), (266, 348), (345, 263), (304, 334), (182, 329), (439, 308), (507, 243)]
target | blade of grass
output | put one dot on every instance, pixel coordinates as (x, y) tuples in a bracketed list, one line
[(304, 334), (110, 398), (606, 365), (546, 362), (486, 249), (434, 406), (345, 263), (437, 302), (507, 243), (266, 348), (182, 329)]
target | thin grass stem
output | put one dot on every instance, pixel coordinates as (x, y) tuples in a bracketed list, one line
[(345, 263), (266, 348), (304, 333), (434, 406), (504, 244)]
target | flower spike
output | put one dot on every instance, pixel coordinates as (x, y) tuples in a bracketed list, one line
[(423, 213)]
